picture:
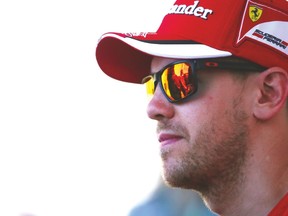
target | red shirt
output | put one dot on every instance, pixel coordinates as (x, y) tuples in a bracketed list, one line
[(281, 209)]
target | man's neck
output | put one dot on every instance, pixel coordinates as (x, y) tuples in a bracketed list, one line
[(260, 189)]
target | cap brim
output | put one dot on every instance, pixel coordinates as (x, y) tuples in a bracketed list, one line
[(128, 58)]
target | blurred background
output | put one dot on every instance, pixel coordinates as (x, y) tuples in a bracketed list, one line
[(72, 140)]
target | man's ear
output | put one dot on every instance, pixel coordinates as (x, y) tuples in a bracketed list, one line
[(272, 93)]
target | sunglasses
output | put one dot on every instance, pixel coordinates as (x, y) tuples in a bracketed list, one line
[(178, 80)]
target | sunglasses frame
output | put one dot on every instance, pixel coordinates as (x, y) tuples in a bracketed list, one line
[(232, 63)]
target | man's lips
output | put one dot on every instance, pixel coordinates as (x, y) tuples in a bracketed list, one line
[(168, 138)]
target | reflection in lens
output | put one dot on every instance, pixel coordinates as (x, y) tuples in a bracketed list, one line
[(177, 81)]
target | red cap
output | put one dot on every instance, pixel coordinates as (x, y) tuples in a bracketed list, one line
[(253, 30)]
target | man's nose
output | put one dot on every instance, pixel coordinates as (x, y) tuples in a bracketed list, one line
[(159, 107)]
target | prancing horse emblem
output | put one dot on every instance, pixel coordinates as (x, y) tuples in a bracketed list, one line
[(255, 13)]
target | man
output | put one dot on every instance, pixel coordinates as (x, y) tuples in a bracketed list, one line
[(226, 136)]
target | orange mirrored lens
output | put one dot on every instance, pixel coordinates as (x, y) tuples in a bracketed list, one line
[(176, 81)]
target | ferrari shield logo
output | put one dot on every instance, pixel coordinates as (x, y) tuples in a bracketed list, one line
[(255, 13)]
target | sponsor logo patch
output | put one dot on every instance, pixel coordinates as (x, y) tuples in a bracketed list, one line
[(264, 25)]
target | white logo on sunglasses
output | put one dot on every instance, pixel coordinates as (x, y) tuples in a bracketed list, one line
[(191, 10)]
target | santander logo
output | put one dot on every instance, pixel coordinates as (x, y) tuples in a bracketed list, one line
[(193, 9)]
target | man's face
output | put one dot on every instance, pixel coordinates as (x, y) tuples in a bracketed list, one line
[(203, 140)]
